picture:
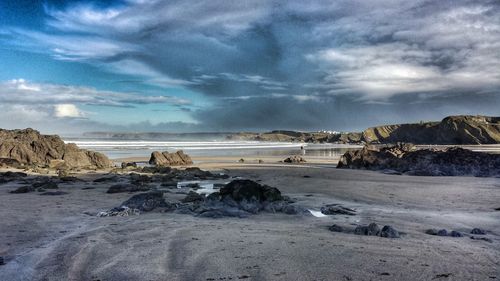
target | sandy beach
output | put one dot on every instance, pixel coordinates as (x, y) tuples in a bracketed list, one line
[(60, 238)]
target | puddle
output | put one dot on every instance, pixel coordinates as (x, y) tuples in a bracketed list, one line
[(317, 214), (205, 187)]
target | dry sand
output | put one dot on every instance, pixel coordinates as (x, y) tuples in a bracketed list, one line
[(51, 237)]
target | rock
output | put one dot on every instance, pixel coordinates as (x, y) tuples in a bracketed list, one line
[(248, 190), (45, 185), (481, 238), (241, 160), (431, 231), (112, 178), (478, 231), (405, 158), (261, 161), (121, 187), (139, 179), (11, 176), (126, 165), (371, 230), (2, 261), (294, 159), (170, 159), (389, 232), (336, 228), (442, 232), (53, 193), (334, 209), (23, 189), (70, 179), (192, 197), (454, 233), (119, 211), (29, 147), (147, 201)]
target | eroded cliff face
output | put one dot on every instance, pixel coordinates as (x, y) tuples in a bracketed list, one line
[(451, 130), (29, 147)]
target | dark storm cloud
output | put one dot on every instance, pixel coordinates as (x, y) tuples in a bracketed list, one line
[(294, 64)]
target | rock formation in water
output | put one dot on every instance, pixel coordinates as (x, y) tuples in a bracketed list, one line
[(29, 147), (405, 158), (170, 159), (451, 130)]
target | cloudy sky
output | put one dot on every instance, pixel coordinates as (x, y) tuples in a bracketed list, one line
[(72, 66)]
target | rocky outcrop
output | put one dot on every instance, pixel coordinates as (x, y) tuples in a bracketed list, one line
[(451, 130), (405, 158), (295, 159), (170, 159), (29, 147)]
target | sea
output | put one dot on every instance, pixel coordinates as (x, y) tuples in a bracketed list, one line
[(126, 148)]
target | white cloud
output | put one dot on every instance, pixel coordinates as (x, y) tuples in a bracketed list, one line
[(67, 110), (20, 91)]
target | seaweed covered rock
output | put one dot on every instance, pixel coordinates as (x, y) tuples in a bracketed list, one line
[(147, 201), (405, 158)]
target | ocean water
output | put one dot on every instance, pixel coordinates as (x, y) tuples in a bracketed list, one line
[(115, 149)]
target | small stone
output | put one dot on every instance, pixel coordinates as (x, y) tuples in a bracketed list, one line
[(478, 231), (389, 232), (481, 238), (431, 231), (442, 232), (454, 233), (336, 228), (371, 230)]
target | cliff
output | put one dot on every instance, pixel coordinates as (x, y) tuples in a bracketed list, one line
[(463, 129)]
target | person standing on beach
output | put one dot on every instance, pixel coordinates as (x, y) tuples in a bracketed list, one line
[(302, 150)]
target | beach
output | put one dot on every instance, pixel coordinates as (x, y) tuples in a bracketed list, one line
[(60, 238)]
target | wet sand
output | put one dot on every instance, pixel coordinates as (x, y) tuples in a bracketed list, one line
[(52, 237)]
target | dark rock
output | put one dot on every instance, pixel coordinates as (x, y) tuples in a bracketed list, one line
[(121, 187), (481, 238), (147, 201), (478, 231), (170, 159), (70, 179), (431, 231), (23, 189), (454, 233), (2, 261), (335, 209), (53, 193), (112, 178), (241, 160), (294, 159), (248, 190), (336, 228), (45, 185), (389, 232), (371, 230), (193, 197), (126, 165), (405, 158), (442, 232)]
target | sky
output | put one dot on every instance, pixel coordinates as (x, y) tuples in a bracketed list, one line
[(179, 66)]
